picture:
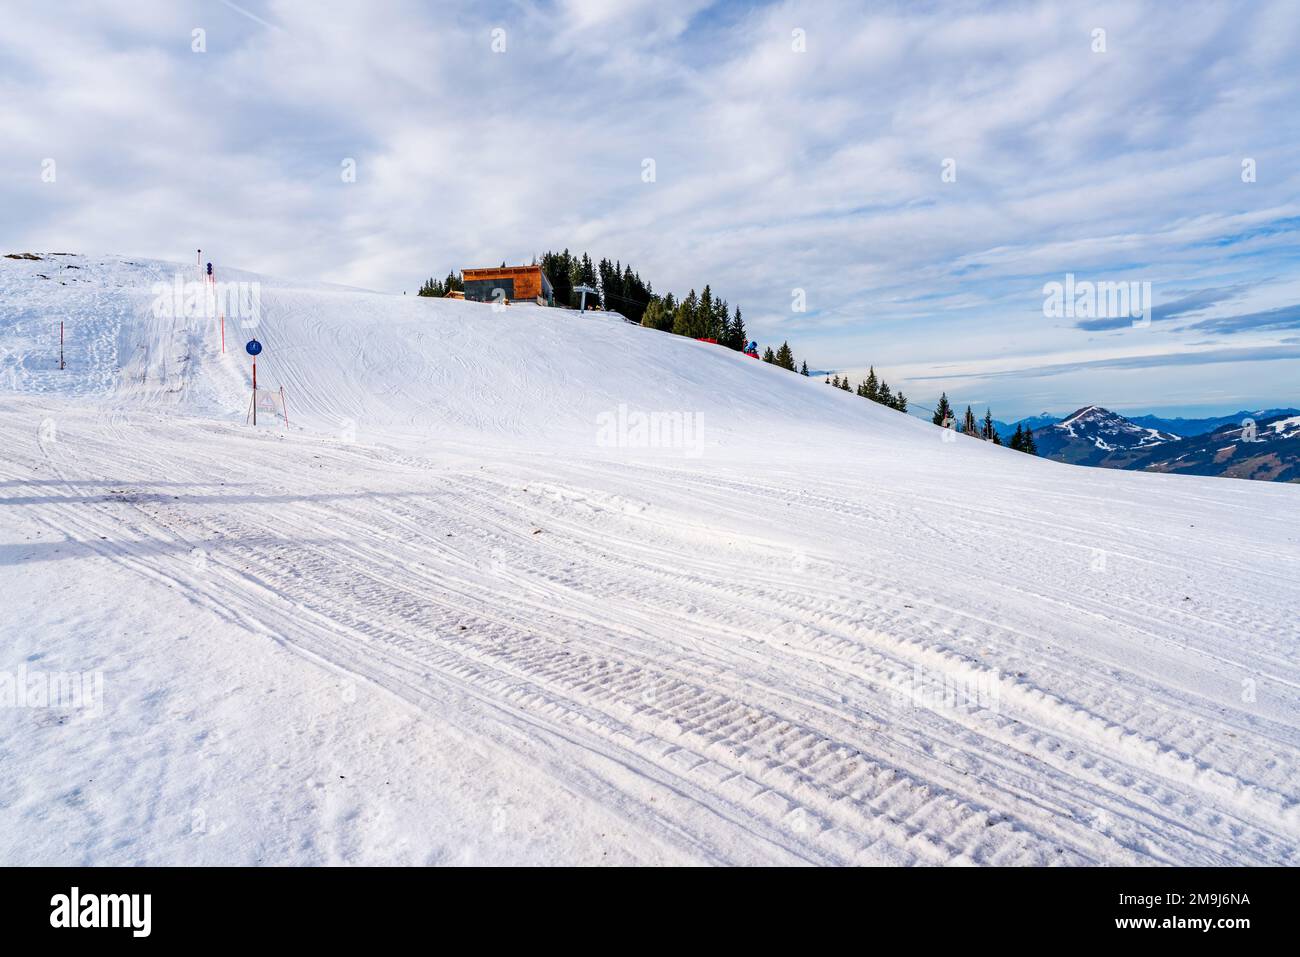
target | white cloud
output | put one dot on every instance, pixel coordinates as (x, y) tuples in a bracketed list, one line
[(775, 168)]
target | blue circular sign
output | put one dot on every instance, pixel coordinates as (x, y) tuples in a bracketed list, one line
[(253, 347)]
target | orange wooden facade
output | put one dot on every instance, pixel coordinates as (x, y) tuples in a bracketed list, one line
[(520, 282)]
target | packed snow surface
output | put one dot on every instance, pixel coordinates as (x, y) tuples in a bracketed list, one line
[(529, 586)]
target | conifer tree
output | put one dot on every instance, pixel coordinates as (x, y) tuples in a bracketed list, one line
[(943, 411), (621, 288), (728, 332), (559, 270), (988, 433), (1028, 444), (836, 381), (968, 426), (704, 315), (883, 395), (1017, 440), (657, 316), (719, 323), (684, 317), (737, 337), (900, 402), (872, 391)]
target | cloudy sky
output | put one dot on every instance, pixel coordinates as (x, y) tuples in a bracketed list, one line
[(919, 170)]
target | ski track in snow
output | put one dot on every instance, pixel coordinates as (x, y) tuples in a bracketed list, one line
[(706, 650)]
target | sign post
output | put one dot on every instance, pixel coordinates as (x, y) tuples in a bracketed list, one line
[(253, 348)]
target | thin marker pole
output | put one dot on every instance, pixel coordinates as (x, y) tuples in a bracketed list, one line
[(223, 333), (284, 409), (255, 392), (60, 343)]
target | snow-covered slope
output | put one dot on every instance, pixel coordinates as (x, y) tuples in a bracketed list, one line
[(402, 367), (464, 608)]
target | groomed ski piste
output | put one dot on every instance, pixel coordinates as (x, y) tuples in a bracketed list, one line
[(465, 607)]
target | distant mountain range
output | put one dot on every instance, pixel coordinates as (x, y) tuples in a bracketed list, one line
[(1006, 429), (1267, 450), (1184, 428), (1190, 427)]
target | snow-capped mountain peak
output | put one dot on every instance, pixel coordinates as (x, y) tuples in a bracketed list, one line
[(1092, 434)]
